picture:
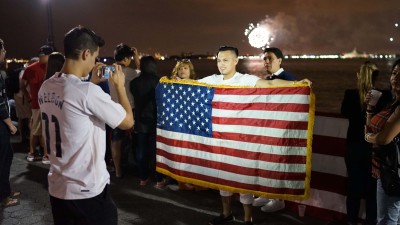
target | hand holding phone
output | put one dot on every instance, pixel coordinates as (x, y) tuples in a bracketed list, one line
[(106, 71)]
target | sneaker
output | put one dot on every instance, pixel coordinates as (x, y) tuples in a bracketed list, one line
[(260, 201), (221, 219), (45, 160), (30, 157), (273, 205), (173, 187)]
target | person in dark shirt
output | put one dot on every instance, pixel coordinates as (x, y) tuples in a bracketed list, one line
[(143, 91), (7, 128), (358, 154), (273, 58)]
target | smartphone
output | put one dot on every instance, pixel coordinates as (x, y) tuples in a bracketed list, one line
[(106, 70)]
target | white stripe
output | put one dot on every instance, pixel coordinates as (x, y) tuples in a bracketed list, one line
[(260, 131), (258, 114), (329, 164), (231, 176), (232, 160), (288, 98), (326, 200), (330, 126), (246, 146)]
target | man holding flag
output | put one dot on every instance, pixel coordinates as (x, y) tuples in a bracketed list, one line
[(227, 59)]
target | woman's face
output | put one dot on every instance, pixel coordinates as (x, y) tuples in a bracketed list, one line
[(184, 72), (395, 79)]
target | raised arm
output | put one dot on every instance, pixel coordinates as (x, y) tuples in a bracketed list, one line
[(390, 130), (118, 80)]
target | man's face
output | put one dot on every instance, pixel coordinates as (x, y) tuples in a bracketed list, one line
[(226, 62), (271, 62), (91, 59)]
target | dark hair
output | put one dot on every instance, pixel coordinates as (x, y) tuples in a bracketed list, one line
[(148, 65), (79, 39), (122, 51), (54, 64), (276, 51), (1, 44), (397, 62), (228, 48)]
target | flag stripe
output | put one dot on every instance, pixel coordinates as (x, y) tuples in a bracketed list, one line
[(264, 91), (201, 143), (263, 131), (247, 182), (237, 169), (282, 124), (289, 116), (268, 107), (221, 183), (233, 156)]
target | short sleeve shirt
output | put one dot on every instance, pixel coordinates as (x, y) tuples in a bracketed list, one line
[(74, 114), (237, 80), (34, 75)]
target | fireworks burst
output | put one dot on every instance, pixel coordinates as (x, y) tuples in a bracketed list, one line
[(259, 36)]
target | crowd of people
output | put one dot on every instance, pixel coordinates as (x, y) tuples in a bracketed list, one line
[(63, 102)]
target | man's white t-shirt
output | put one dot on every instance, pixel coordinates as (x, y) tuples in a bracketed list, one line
[(74, 114), (237, 80)]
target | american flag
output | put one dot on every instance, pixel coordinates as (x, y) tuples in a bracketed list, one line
[(247, 140)]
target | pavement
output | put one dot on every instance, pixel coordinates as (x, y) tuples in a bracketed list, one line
[(139, 205)]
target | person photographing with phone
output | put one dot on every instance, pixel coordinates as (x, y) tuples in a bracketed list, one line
[(74, 114)]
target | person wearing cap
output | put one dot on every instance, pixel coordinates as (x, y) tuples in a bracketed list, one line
[(33, 78), (273, 58)]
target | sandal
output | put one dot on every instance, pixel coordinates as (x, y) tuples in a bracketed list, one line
[(9, 202), (15, 194)]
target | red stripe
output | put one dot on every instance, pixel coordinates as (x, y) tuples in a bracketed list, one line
[(328, 182), (299, 142), (281, 124), (329, 145), (287, 159), (263, 91), (231, 183), (237, 169), (277, 107)]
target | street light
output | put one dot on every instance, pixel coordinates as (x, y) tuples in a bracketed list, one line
[(50, 37)]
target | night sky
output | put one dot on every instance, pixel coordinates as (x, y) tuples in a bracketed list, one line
[(201, 26)]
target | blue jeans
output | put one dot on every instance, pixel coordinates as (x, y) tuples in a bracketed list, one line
[(146, 156), (388, 207)]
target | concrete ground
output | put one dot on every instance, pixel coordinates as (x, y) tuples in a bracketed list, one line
[(136, 205)]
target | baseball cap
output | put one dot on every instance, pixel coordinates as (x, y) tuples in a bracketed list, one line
[(46, 50)]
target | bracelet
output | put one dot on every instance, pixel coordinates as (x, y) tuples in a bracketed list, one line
[(367, 135), (369, 113)]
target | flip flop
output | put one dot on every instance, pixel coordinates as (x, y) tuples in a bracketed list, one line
[(15, 194), (9, 202)]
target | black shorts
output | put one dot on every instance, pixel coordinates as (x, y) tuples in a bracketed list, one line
[(97, 210)]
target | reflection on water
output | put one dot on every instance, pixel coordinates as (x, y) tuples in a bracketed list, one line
[(330, 77)]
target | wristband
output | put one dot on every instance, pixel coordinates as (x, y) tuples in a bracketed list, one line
[(367, 135)]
